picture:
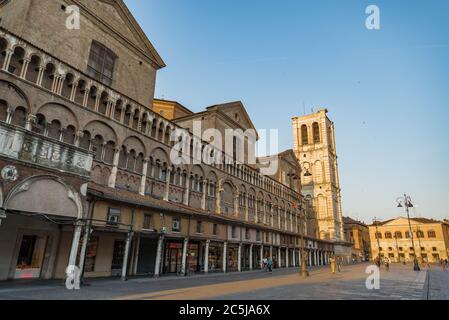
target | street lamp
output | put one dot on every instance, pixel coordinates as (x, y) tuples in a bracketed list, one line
[(376, 223), (406, 202)]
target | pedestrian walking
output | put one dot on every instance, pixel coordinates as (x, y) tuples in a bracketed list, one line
[(264, 264), (270, 265), (339, 263), (387, 264), (332, 260), (377, 261)]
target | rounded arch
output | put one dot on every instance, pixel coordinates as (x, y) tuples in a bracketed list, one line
[(197, 170), (99, 128), (134, 143), (55, 111), (159, 154), (14, 95), (212, 176), (62, 199)]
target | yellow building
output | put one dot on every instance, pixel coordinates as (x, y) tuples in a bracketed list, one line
[(392, 239), (357, 233)]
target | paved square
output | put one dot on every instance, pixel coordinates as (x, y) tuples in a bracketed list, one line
[(401, 282)]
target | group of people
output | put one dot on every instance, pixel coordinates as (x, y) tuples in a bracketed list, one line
[(336, 262), (385, 261), (267, 264)]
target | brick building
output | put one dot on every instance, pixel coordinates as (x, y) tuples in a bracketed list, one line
[(87, 176)]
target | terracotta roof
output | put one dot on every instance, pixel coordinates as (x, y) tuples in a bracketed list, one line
[(349, 220)]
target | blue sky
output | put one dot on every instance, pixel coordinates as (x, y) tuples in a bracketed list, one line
[(386, 90)]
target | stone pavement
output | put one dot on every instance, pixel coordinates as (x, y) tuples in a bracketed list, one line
[(438, 288), (401, 282)]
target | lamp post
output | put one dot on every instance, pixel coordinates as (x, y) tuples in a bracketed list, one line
[(406, 202), (376, 223), (303, 272)]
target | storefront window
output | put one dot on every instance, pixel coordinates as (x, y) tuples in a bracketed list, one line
[(173, 257), (232, 258), (215, 257), (31, 256), (91, 254)]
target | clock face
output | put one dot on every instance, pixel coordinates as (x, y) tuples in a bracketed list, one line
[(10, 173)]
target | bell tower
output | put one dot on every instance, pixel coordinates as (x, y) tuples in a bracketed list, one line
[(314, 146)]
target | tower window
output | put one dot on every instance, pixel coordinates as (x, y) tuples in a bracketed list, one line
[(304, 135), (101, 63), (316, 133)]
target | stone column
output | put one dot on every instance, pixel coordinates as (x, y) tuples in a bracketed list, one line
[(157, 266), (186, 199), (287, 256), (236, 204), (261, 253), (294, 258), (86, 96), (60, 84), (40, 75), (246, 207), (73, 92), (239, 262), (83, 249), (136, 255), (204, 195), (279, 257), (225, 256), (251, 246), (26, 63), (279, 217), (129, 237), (218, 199), (184, 256), (264, 212), (271, 252), (97, 100), (206, 257), (167, 185), (75, 243), (113, 176), (8, 56), (256, 208), (143, 180)]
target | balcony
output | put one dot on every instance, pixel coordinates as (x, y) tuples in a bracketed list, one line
[(22, 145)]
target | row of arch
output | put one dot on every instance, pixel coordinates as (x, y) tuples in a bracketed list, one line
[(29, 63), (18, 59)]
